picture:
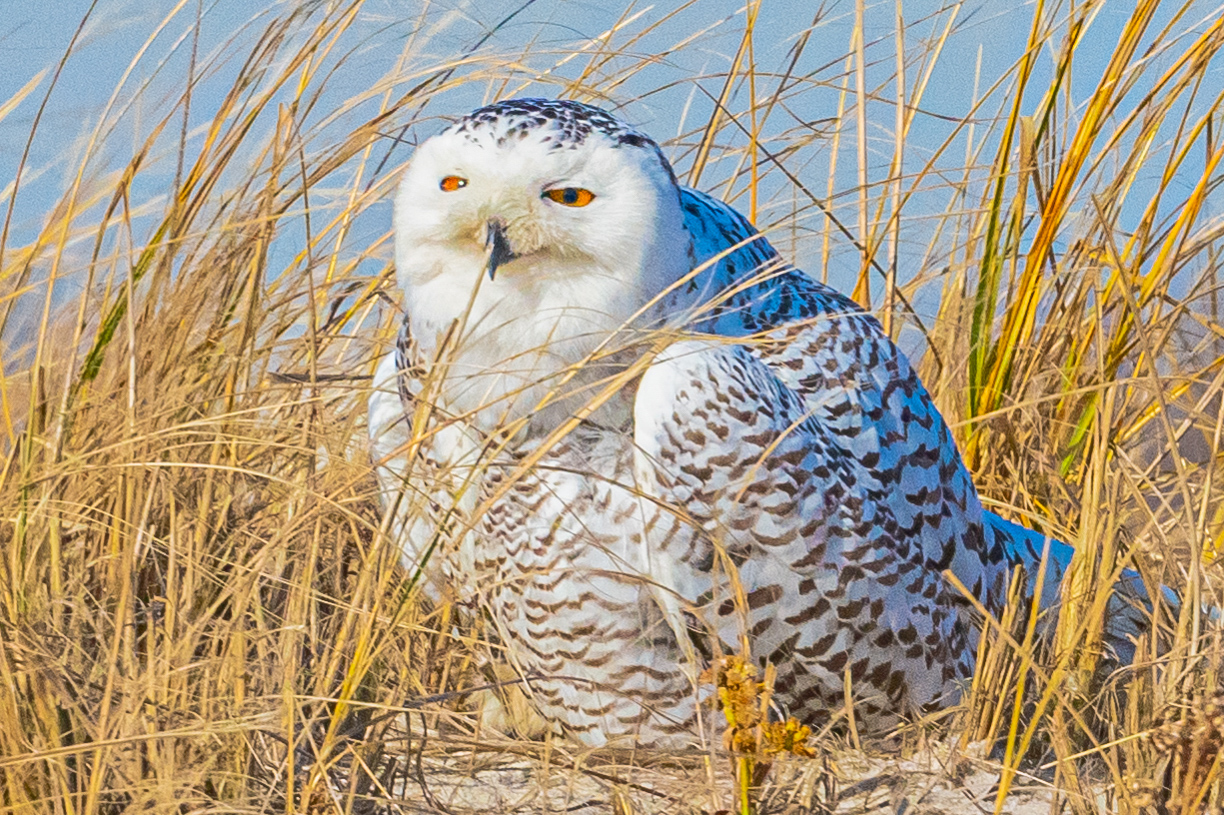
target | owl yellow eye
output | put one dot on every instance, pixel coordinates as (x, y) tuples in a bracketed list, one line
[(452, 183), (571, 196)]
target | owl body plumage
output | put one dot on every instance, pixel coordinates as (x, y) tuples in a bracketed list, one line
[(776, 476)]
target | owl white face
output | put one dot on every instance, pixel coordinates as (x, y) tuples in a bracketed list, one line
[(541, 227)]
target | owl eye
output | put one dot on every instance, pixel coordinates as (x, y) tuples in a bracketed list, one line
[(570, 196), (452, 183)]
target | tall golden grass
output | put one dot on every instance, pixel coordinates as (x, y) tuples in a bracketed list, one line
[(199, 606)]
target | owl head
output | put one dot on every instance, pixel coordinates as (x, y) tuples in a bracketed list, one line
[(540, 226)]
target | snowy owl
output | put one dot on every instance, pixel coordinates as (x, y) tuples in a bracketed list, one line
[(622, 426)]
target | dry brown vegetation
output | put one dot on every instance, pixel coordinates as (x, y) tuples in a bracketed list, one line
[(199, 610)]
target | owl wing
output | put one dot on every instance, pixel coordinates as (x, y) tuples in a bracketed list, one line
[(816, 558), (853, 381), (803, 443), (410, 470), (860, 388), (389, 427), (389, 424)]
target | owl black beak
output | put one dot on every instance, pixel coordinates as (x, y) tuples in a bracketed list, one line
[(498, 245)]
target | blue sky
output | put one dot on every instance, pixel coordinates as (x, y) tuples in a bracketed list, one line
[(663, 98)]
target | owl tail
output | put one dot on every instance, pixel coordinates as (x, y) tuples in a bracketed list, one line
[(1129, 612)]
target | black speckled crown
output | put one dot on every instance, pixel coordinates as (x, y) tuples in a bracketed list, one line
[(565, 123)]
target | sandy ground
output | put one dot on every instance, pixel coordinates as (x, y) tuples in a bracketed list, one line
[(553, 777)]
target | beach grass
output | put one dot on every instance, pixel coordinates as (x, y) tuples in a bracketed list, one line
[(201, 609)]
